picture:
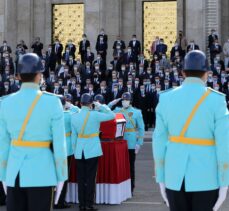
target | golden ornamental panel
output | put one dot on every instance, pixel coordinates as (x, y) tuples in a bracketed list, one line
[(68, 22), (160, 19)]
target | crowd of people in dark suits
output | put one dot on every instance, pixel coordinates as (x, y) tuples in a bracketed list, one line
[(75, 69)]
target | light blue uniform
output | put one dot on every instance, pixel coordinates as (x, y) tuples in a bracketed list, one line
[(135, 129), (68, 129), (87, 142), (37, 166), (204, 167)]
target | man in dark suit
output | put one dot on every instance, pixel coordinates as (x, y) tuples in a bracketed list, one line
[(5, 48), (51, 58), (212, 37), (119, 42), (71, 47), (67, 55), (215, 49), (161, 48), (135, 46), (84, 44), (142, 61), (192, 46), (101, 62), (101, 48), (57, 48), (37, 46), (175, 48), (128, 57), (65, 76), (89, 56), (102, 34)]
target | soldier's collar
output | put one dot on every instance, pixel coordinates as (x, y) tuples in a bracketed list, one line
[(194, 80), (30, 86), (86, 108)]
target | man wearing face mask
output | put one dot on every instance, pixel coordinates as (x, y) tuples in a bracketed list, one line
[(87, 147), (65, 76), (101, 48), (57, 48), (71, 47), (128, 56), (69, 110), (37, 46), (84, 44), (175, 48), (215, 49), (226, 53), (212, 37), (135, 46), (161, 48), (51, 58), (89, 56), (182, 42), (102, 34), (134, 131), (120, 42), (194, 123), (5, 48), (30, 167)]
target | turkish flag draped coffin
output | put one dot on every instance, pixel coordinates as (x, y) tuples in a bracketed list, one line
[(113, 184), (113, 129)]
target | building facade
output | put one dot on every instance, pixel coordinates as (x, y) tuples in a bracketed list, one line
[(26, 19)]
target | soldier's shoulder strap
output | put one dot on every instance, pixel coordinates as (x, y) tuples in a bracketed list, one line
[(217, 92)]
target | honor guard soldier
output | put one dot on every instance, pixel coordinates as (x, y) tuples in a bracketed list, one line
[(190, 142), (69, 109), (85, 138), (2, 192), (33, 155), (134, 131)]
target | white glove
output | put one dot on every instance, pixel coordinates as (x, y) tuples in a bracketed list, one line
[(97, 105), (221, 198), (163, 193), (67, 105), (59, 188), (114, 102), (4, 187), (137, 148)]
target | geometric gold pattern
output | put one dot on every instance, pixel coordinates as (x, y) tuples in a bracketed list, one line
[(160, 19), (68, 22)]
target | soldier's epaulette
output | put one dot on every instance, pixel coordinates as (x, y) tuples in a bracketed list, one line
[(52, 94), (165, 91), (217, 92)]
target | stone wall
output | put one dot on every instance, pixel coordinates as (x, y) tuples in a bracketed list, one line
[(26, 19), (2, 20)]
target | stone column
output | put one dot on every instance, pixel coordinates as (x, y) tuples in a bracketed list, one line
[(224, 19), (128, 20), (195, 22), (2, 20)]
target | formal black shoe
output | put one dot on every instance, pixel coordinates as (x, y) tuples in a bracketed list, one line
[(61, 206), (91, 208), (82, 208)]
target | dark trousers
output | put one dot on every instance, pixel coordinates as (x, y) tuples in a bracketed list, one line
[(191, 201), (29, 199), (86, 175), (132, 158), (2, 195)]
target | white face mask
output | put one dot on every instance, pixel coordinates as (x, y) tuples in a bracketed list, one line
[(67, 105), (125, 103)]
